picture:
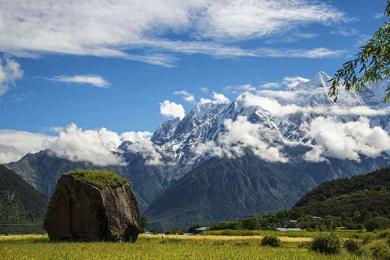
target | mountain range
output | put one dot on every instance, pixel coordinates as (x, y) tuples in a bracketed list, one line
[(259, 153)]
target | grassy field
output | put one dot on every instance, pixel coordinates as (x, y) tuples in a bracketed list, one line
[(160, 247)]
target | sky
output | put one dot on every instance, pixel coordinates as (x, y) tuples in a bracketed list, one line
[(130, 65)]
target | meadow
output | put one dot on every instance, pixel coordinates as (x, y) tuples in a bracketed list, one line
[(161, 247)]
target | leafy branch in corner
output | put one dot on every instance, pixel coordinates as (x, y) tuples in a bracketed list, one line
[(371, 64)]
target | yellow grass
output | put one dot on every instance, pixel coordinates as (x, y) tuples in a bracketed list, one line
[(231, 238), (160, 247)]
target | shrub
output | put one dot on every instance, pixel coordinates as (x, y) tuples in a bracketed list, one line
[(326, 243), (352, 246), (377, 223), (384, 234), (380, 251), (273, 241)]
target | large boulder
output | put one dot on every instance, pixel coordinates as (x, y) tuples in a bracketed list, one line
[(92, 205)]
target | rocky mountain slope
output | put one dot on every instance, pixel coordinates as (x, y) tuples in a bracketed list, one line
[(224, 189)]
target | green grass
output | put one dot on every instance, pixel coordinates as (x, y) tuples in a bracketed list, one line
[(153, 247), (99, 178)]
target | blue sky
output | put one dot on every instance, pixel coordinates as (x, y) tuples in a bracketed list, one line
[(144, 63)]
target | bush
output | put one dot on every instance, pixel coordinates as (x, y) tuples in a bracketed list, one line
[(352, 246), (377, 223), (273, 241), (326, 243), (380, 251), (384, 234)]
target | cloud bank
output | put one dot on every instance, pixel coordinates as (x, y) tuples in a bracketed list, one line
[(346, 141), (96, 146)]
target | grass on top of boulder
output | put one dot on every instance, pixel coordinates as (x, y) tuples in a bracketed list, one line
[(99, 178)]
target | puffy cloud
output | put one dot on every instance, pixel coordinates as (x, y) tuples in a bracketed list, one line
[(218, 98), (96, 146), (171, 109), (346, 140), (15, 144), (105, 28), (241, 135), (185, 95), (94, 80), (139, 142), (10, 71)]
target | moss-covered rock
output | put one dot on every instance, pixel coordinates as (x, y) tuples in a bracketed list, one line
[(93, 206), (99, 178)]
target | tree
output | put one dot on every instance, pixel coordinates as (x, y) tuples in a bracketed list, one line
[(143, 223), (371, 64)]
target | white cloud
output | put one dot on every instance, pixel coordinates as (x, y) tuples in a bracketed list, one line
[(94, 80), (95, 146), (271, 85), (140, 143), (73, 143), (185, 95), (10, 71), (293, 81), (171, 109), (126, 28), (315, 53), (267, 100), (289, 81), (240, 88), (218, 98), (252, 18), (379, 15), (204, 89), (241, 135), (346, 140), (15, 144)]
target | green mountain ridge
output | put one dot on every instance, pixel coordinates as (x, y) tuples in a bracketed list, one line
[(344, 197), (20, 203)]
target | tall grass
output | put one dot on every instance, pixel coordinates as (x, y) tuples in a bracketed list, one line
[(151, 247)]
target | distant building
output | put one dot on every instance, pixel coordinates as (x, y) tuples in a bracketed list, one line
[(201, 230)]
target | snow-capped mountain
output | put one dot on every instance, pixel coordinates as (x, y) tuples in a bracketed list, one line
[(283, 114)]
